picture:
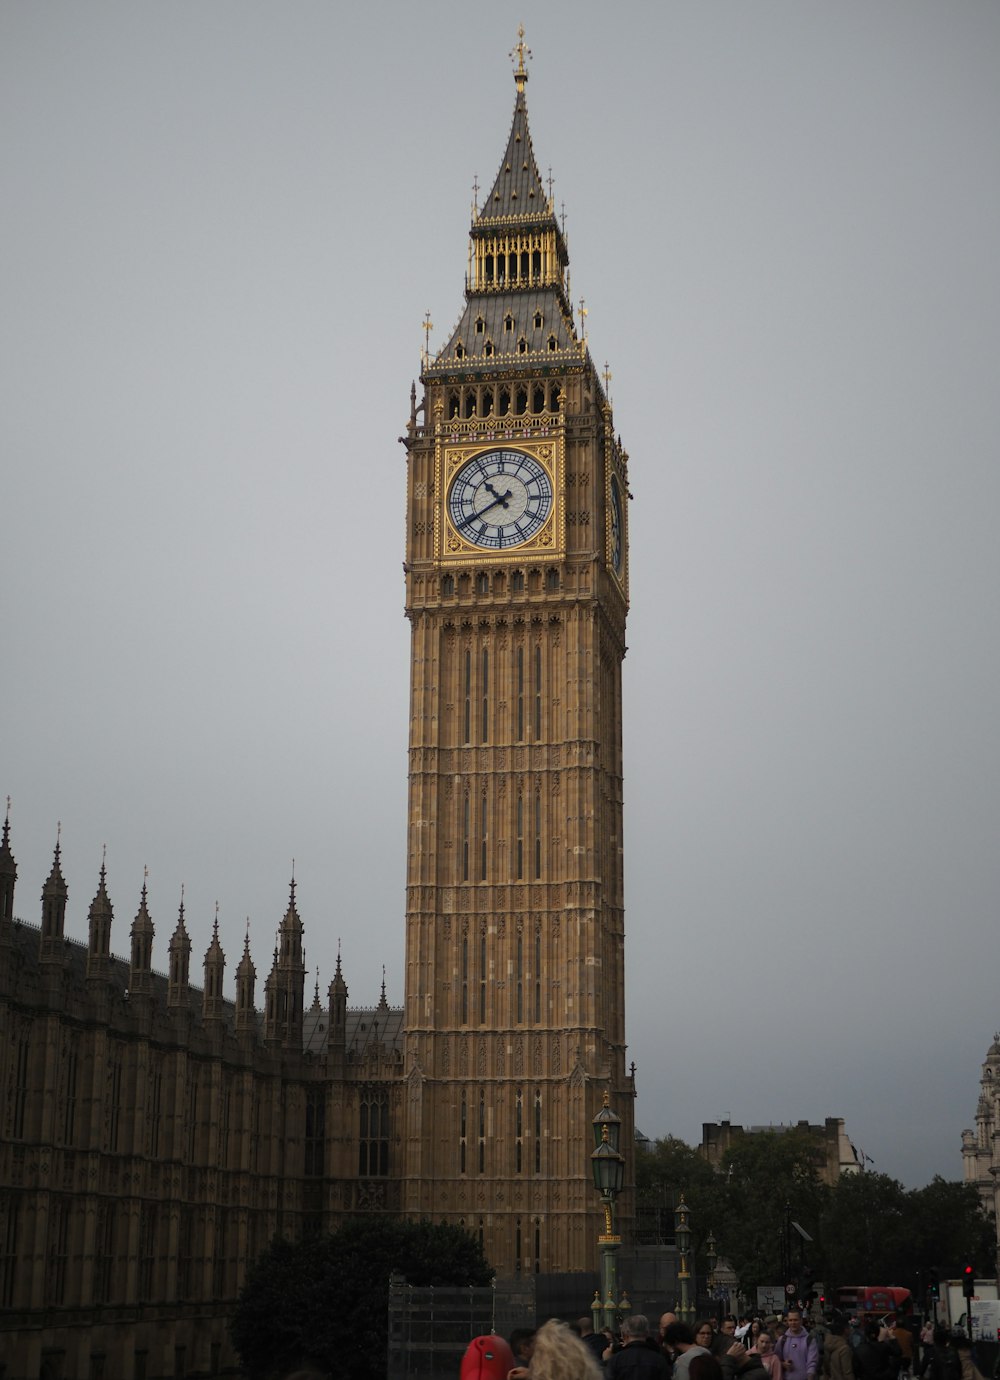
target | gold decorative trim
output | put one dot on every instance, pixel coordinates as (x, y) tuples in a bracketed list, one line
[(460, 441)]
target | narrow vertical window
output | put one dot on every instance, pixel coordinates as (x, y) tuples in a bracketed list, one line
[(538, 834), (519, 851), (69, 1117), (483, 835), (482, 1132), (486, 696), (538, 1246), (21, 1065), (538, 976), (465, 839), (517, 1247), (538, 692), (519, 985), (519, 678), (518, 1131), (467, 711), (482, 979), (463, 1124), (465, 980), (538, 1132)]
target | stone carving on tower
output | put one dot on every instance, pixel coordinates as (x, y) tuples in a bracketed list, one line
[(517, 593)]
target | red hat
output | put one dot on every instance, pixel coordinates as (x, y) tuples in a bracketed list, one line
[(487, 1358)]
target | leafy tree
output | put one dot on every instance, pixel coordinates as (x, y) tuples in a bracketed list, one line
[(768, 1178), (867, 1231), (663, 1171), (950, 1228), (326, 1299)]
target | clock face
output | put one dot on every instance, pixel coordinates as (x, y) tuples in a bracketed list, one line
[(616, 525), (500, 499)]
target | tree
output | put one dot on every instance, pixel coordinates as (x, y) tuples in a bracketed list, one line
[(867, 1231), (326, 1299), (950, 1228), (767, 1179), (663, 1171)]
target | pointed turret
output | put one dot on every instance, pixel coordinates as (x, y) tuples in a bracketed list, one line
[(100, 917), (518, 310), (272, 1003), (291, 975), (337, 1039), (140, 979), (178, 979), (215, 967), (54, 894), (8, 876), (246, 981)]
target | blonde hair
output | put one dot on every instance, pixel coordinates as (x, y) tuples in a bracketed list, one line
[(559, 1354)]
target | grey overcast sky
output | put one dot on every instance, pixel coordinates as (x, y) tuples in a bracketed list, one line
[(223, 225)]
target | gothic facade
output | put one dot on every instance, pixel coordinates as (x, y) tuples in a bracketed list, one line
[(158, 1134), (981, 1147)]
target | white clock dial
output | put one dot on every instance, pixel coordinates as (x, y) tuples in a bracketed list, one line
[(500, 499)]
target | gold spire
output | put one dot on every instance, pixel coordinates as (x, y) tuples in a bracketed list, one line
[(519, 48)]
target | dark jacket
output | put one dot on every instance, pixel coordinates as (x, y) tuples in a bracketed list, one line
[(637, 1361)]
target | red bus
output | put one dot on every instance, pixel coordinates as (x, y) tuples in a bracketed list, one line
[(864, 1300)]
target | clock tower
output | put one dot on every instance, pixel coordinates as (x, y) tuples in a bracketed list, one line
[(517, 592)]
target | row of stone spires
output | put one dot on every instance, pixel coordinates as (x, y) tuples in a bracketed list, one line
[(283, 989)]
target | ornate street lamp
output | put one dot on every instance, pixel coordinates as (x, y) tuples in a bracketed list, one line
[(608, 1166), (682, 1236)]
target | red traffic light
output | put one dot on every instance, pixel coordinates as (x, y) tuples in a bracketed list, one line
[(968, 1282)]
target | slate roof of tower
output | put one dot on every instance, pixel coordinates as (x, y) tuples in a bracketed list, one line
[(516, 201), (517, 193)]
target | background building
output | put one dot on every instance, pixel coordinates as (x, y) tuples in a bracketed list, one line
[(835, 1154)]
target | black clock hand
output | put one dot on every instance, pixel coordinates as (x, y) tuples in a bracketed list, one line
[(493, 491), (472, 516)]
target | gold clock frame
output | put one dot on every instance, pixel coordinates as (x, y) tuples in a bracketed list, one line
[(620, 576), (548, 450)]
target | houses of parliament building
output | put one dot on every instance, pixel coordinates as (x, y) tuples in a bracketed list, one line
[(159, 1129)]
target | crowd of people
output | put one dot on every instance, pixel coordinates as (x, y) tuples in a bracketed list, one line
[(746, 1348)]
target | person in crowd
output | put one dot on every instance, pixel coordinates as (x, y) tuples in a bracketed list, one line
[(704, 1333), (838, 1355), (941, 1359), (595, 1342), (558, 1354), (797, 1350), (904, 1339), (637, 1360), (522, 1342), (764, 1348), (962, 1344), (872, 1358), (486, 1358), (707, 1367), (683, 1347), (754, 1328)]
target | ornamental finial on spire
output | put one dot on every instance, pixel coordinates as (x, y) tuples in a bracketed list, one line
[(521, 51)]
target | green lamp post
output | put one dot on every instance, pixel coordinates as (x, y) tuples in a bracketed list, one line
[(608, 1166), (682, 1236)]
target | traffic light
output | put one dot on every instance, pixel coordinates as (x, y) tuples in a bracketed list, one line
[(969, 1282), (933, 1284)]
